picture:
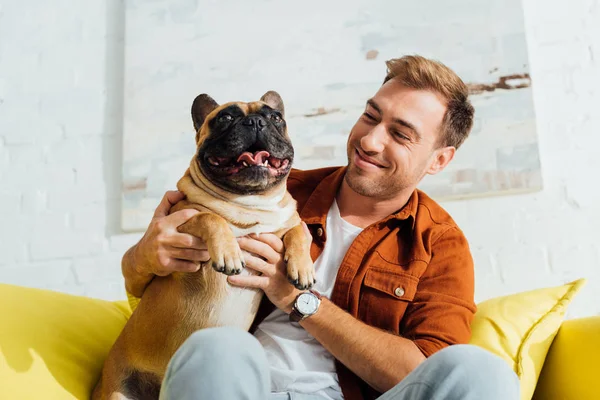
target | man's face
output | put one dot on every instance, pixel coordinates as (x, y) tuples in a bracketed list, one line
[(393, 144)]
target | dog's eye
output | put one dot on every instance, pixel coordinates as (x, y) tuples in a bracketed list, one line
[(275, 117), (225, 118)]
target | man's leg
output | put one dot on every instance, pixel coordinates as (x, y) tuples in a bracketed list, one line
[(217, 363), (464, 372)]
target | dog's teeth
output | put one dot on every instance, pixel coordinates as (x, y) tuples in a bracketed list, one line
[(244, 163), (266, 163)]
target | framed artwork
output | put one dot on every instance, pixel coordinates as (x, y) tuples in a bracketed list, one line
[(325, 58)]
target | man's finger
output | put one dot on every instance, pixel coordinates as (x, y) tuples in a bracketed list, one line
[(186, 241), (259, 248), (181, 216), (191, 255), (257, 282), (270, 239), (170, 198), (259, 265)]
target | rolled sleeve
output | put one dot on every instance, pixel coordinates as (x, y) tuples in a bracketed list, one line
[(443, 307)]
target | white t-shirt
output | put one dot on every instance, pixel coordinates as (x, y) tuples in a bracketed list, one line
[(298, 362)]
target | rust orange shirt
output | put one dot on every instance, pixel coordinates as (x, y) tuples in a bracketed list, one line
[(410, 273)]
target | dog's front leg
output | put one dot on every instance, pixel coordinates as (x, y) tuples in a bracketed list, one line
[(300, 268), (223, 248)]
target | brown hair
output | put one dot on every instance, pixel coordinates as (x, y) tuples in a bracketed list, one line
[(420, 73)]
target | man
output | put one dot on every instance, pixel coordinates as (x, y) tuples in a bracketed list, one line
[(394, 271)]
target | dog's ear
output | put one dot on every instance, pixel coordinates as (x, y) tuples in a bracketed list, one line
[(273, 99), (201, 107)]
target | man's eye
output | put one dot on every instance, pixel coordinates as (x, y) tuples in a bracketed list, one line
[(369, 116), (225, 118), (400, 135)]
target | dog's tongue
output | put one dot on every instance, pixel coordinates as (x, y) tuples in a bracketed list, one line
[(257, 158)]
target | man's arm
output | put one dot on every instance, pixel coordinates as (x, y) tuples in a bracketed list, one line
[(162, 250), (380, 358), (136, 281), (439, 315)]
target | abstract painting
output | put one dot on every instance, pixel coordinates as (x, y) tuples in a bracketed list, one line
[(325, 58)]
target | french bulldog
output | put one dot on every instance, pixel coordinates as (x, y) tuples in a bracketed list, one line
[(237, 179)]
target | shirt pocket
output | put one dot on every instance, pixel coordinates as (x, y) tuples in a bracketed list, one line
[(385, 294)]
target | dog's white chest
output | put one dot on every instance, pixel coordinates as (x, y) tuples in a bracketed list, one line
[(238, 306)]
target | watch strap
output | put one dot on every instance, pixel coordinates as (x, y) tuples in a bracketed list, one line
[(295, 315)]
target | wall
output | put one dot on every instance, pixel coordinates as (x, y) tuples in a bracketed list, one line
[(60, 155), (60, 100)]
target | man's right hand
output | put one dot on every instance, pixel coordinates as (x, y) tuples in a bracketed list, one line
[(163, 250)]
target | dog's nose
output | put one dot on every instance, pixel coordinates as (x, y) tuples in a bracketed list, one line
[(255, 120)]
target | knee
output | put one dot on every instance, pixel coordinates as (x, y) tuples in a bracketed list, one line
[(222, 345), (472, 360), (474, 364)]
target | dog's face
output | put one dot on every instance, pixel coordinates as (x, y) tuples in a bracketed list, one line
[(243, 148)]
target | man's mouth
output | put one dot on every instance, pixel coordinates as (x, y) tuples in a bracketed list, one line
[(364, 160), (258, 159)]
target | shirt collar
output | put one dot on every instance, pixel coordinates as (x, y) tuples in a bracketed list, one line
[(317, 206), (409, 211)]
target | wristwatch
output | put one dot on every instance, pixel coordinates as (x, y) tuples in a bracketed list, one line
[(306, 304)]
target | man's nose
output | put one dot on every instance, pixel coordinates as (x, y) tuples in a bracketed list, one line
[(374, 141)]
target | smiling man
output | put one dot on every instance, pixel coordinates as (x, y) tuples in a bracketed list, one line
[(390, 314)]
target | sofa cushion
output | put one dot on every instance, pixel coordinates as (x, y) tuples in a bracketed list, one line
[(520, 328), (53, 345), (573, 362)]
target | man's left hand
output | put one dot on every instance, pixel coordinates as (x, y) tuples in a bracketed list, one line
[(267, 257)]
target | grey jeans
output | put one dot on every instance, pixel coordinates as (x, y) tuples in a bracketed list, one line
[(230, 364)]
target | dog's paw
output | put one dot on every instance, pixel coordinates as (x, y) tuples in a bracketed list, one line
[(226, 257), (300, 268)]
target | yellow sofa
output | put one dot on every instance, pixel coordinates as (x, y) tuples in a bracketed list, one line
[(52, 345)]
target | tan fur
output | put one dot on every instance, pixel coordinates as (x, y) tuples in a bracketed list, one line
[(175, 306)]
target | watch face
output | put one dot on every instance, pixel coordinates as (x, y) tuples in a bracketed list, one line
[(307, 303)]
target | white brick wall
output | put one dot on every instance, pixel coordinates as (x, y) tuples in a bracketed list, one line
[(60, 149), (60, 152)]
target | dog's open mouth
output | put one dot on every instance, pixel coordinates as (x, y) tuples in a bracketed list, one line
[(258, 159)]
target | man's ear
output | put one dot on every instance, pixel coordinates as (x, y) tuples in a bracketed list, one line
[(201, 107), (443, 156), (273, 99)]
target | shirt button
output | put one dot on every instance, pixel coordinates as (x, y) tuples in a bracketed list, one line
[(320, 232), (399, 292)]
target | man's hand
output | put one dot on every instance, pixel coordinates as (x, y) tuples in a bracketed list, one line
[(163, 250), (267, 257)]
